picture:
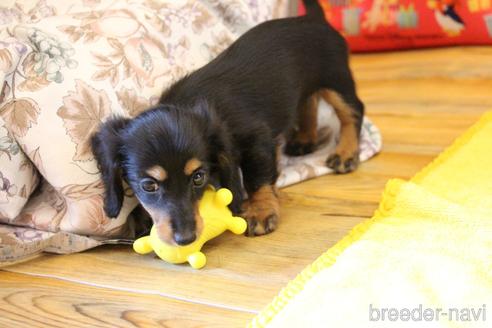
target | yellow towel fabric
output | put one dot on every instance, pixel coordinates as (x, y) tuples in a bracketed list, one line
[(423, 260)]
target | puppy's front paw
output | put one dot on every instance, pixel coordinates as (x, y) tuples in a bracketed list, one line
[(343, 163), (261, 220), (263, 226)]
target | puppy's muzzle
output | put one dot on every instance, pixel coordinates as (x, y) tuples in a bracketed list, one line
[(177, 228)]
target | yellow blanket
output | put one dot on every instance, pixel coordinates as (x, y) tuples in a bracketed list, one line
[(423, 260)]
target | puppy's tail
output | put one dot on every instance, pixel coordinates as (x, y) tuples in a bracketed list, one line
[(313, 9)]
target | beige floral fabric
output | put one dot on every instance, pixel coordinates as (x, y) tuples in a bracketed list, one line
[(65, 67), (18, 176), (20, 243)]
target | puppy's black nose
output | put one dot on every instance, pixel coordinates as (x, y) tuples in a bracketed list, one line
[(184, 238)]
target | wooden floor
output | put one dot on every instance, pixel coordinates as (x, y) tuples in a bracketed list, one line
[(421, 101)]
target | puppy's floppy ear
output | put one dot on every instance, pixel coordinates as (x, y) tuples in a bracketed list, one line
[(106, 146)]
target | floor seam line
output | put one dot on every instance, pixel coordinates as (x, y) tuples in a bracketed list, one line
[(136, 291)]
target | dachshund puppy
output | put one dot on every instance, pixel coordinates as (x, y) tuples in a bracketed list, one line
[(225, 118)]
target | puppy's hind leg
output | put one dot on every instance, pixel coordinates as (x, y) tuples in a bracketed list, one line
[(303, 140), (349, 110)]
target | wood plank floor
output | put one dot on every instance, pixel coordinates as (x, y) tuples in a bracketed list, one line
[(421, 101)]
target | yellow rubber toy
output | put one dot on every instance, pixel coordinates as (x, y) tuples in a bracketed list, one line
[(217, 218)]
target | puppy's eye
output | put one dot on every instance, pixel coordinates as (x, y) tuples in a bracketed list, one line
[(198, 178), (149, 185)]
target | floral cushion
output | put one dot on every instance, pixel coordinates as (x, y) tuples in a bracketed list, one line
[(18, 176)]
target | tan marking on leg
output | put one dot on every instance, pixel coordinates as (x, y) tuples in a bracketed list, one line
[(157, 172), (308, 121), (262, 211), (191, 166), (305, 138), (278, 153), (348, 144)]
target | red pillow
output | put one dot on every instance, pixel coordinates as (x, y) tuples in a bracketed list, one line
[(370, 25)]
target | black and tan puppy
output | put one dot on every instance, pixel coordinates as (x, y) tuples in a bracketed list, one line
[(227, 116)]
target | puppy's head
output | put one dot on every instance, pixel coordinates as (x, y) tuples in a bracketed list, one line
[(163, 155)]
